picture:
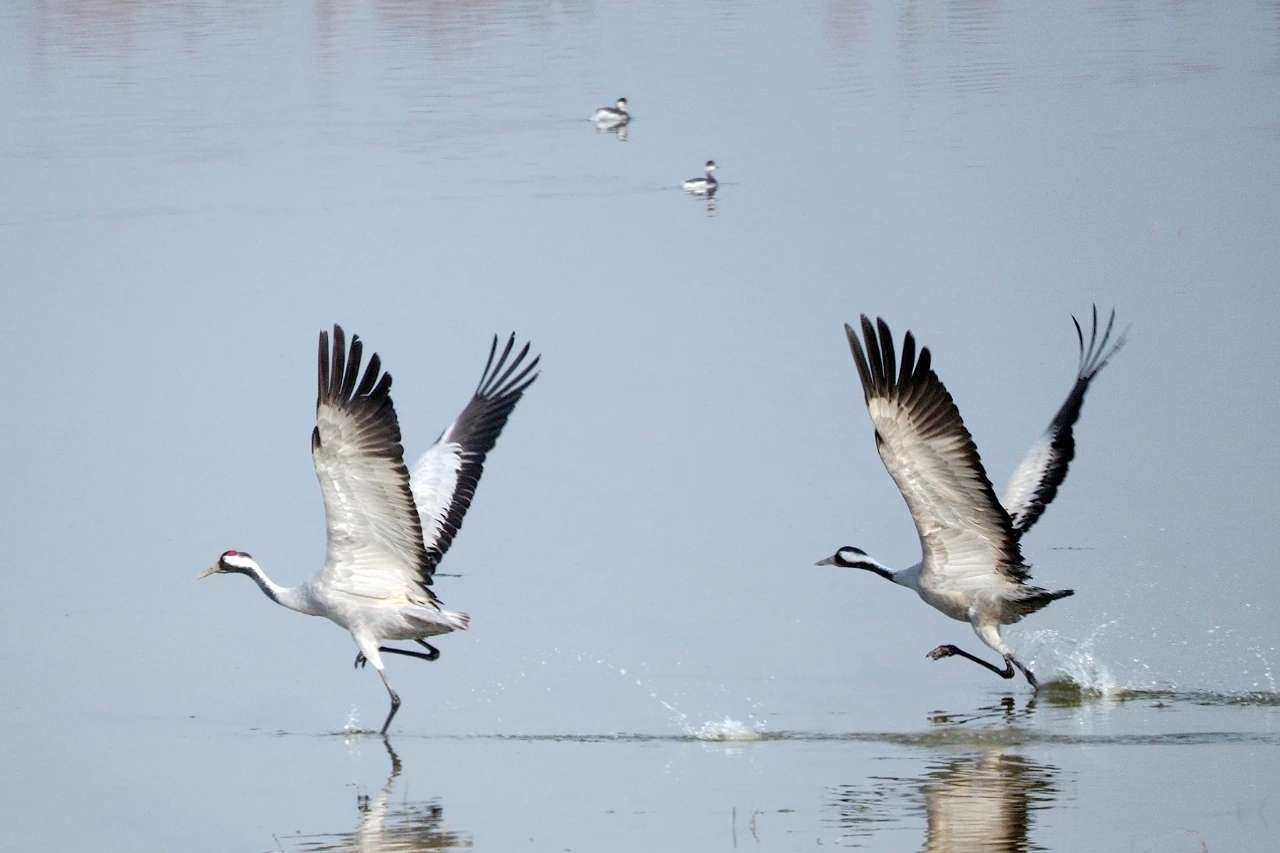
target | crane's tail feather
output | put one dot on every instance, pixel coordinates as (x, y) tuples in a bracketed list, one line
[(1032, 599), (433, 622)]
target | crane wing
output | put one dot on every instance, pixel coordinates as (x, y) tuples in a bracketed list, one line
[(445, 477), (375, 544), (967, 537), (1036, 480)]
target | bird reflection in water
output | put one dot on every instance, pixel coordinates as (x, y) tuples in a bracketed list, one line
[(621, 131), (1006, 710), (387, 826), (981, 800)]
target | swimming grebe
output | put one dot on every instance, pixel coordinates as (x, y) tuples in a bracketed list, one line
[(612, 116), (704, 185)]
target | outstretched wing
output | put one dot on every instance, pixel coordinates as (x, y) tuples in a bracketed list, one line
[(967, 537), (375, 538), (445, 478), (1035, 482)]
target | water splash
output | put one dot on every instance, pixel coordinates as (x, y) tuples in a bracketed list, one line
[(728, 729), (1056, 657), (1242, 668), (352, 725), (677, 716), (1267, 672)]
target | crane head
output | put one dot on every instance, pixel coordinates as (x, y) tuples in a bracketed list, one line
[(849, 557), (231, 561), (846, 557)]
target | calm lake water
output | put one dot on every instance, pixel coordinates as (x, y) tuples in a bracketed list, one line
[(191, 190)]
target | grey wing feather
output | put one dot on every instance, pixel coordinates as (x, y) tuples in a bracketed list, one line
[(966, 534), (375, 545)]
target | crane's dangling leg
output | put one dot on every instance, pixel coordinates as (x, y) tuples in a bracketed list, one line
[(395, 701), (431, 654), (368, 647), (1030, 676)]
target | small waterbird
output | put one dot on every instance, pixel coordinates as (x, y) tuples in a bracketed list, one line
[(612, 116), (387, 529), (705, 185), (972, 568)]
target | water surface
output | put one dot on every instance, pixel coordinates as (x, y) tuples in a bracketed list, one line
[(192, 190)]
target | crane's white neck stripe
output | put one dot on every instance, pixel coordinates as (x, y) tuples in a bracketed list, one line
[(241, 562)]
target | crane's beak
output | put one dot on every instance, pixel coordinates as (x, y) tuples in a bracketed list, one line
[(212, 570), (829, 561)]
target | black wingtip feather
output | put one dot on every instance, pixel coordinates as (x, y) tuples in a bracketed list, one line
[(859, 360), (338, 370), (493, 349), (370, 376), (352, 374), (873, 357), (908, 358), (322, 370), (887, 355), (515, 364)]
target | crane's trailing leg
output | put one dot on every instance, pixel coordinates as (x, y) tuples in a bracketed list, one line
[(395, 701), (946, 651), (431, 653)]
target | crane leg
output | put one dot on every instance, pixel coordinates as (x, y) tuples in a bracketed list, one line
[(948, 650), (1030, 676), (431, 653), (395, 701)]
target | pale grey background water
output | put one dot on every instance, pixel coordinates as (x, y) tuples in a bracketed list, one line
[(190, 191)]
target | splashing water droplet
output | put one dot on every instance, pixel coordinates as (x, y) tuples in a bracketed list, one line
[(352, 725), (727, 729), (1073, 659)]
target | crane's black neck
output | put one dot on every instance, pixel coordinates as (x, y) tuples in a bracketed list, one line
[(270, 589), (864, 564)]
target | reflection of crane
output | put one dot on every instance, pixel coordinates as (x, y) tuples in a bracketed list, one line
[(385, 827), (387, 532), (972, 568), (970, 803), (983, 803)]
